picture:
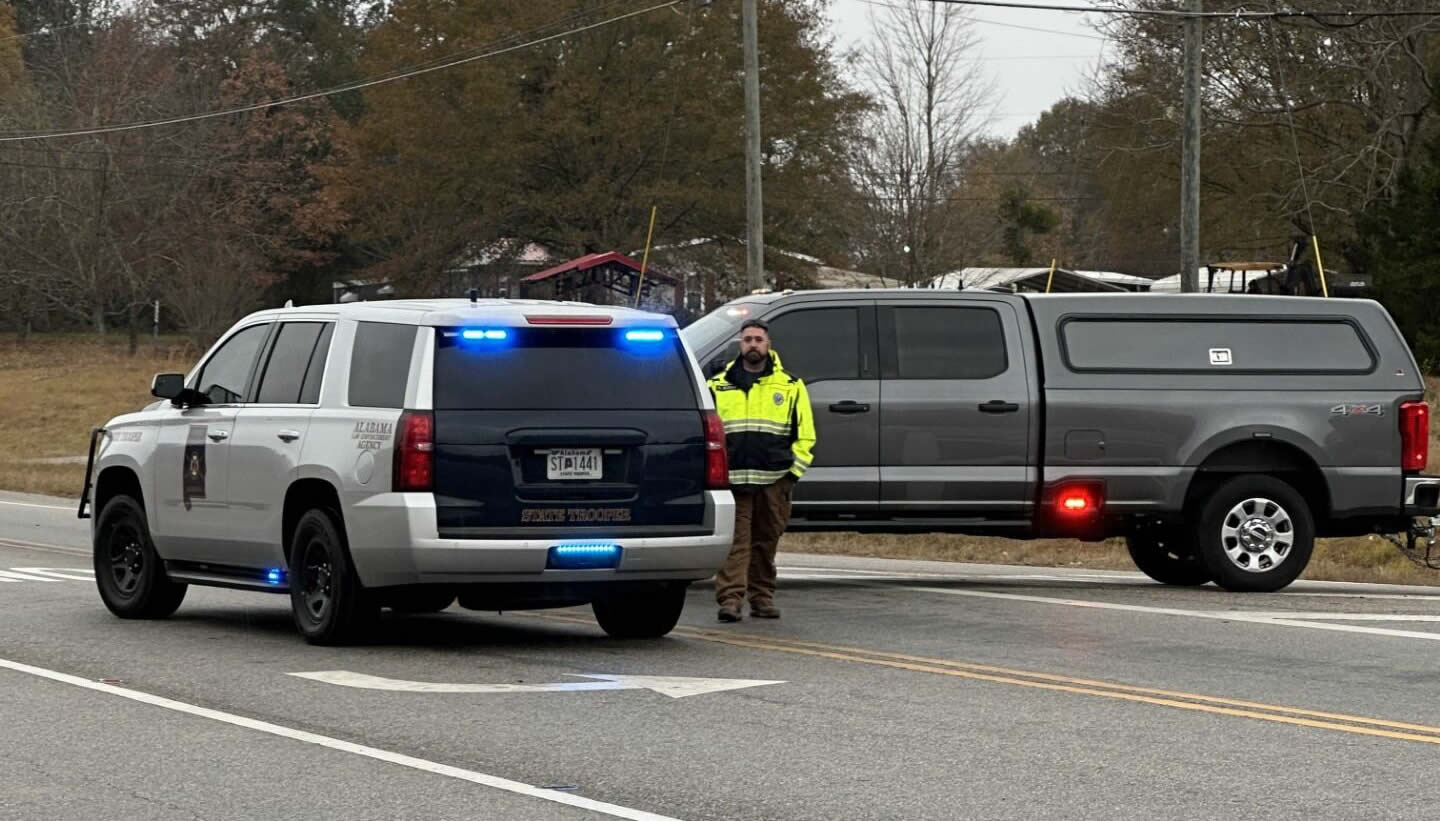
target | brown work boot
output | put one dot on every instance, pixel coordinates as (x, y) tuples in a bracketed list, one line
[(764, 611), (730, 613)]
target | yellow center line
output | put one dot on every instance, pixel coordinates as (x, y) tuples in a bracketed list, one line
[(1296, 716)]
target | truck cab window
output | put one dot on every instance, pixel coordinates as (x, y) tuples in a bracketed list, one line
[(819, 343), (948, 343)]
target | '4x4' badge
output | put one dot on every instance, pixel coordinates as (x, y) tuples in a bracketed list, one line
[(1358, 410)]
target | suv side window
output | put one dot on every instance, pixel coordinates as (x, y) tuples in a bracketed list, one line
[(315, 372), (380, 364), (932, 342), (225, 376), (818, 343), (286, 363)]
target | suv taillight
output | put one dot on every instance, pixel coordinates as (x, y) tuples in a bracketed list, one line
[(1414, 436), (717, 466), (415, 452)]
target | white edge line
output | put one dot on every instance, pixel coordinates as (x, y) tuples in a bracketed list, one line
[(42, 507), (494, 782), (1194, 614)]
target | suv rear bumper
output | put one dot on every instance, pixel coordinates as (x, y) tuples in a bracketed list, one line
[(1422, 495), (393, 542)]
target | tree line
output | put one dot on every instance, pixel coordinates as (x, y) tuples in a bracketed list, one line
[(878, 160)]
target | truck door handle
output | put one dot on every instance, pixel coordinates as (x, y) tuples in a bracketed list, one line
[(218, 435), (849, 406), (288, 435), (998, 406)]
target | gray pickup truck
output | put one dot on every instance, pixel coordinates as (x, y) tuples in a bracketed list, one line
[(1219, 435)]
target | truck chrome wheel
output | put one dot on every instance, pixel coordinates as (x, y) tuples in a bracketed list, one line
[(1257, 535)]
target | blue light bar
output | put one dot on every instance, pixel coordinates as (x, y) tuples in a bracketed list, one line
[(583, 556), (644, 336), (490, 334)]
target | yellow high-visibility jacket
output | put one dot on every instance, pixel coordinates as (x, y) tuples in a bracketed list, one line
[(770, 429)]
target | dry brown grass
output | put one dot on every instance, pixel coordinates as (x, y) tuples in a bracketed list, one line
[(55, 388)]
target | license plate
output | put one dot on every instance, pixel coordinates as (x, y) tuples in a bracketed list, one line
[(574, 463)]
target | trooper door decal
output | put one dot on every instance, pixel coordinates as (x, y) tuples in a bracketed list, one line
[(193, 473)]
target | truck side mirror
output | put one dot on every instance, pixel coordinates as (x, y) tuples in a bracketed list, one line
[(167, 385)]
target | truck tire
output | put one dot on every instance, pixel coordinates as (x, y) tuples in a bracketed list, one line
[(641, 615), (1256, 534), (329, 604), (128, 572), (1167, 554)]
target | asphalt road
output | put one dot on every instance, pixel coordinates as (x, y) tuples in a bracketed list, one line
[(897, 690)]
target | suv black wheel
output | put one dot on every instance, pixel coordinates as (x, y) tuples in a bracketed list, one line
[(1256, 534), (647, 615), (128, 571), (1166, 553), (329, 603)]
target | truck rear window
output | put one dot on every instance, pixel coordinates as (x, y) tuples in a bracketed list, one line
[(1181, 344), (561, 369)]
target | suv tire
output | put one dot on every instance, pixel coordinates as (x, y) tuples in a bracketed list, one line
[(1166, 553), (128, 572), (1256, 534), (328, 602), (647, 615)]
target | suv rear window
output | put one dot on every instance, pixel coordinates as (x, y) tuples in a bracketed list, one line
[(561, 369), (380, 364), (1184, 344)]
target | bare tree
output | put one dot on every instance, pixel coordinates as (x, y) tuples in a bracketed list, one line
[(931, 101)]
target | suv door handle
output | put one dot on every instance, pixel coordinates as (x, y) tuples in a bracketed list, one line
[(218, 435), (998, 406), (288, 435), (849, 406)]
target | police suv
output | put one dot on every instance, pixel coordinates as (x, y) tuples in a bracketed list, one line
[(509, 453)]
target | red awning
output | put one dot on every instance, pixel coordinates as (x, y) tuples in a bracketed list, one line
[(589, 261)]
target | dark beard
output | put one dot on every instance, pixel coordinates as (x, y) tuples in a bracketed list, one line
[(754, 357)]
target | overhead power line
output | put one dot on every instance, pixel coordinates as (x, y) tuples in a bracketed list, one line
[(1177, 14), (340, 89)]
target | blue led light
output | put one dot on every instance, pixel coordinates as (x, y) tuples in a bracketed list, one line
[(583, 555), (489, 334), (586, 549), (275, 576), (644, 336)]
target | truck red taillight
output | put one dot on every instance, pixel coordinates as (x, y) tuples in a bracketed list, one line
[(717, 466), (415, 452), (1414, 436), (1079, 499)]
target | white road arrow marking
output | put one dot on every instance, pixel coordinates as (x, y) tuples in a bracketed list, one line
[(672, 686)]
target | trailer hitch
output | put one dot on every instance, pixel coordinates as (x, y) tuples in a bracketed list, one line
[(1419, 545)]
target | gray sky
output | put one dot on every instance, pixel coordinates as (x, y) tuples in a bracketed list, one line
[(1032, 69)]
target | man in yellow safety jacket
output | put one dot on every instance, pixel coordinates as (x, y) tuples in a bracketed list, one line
[(769, 438)]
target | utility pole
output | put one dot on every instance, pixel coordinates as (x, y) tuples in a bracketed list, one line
[(754, 210), (1190, 151)]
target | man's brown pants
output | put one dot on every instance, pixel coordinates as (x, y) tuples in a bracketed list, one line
[(761, 515)]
